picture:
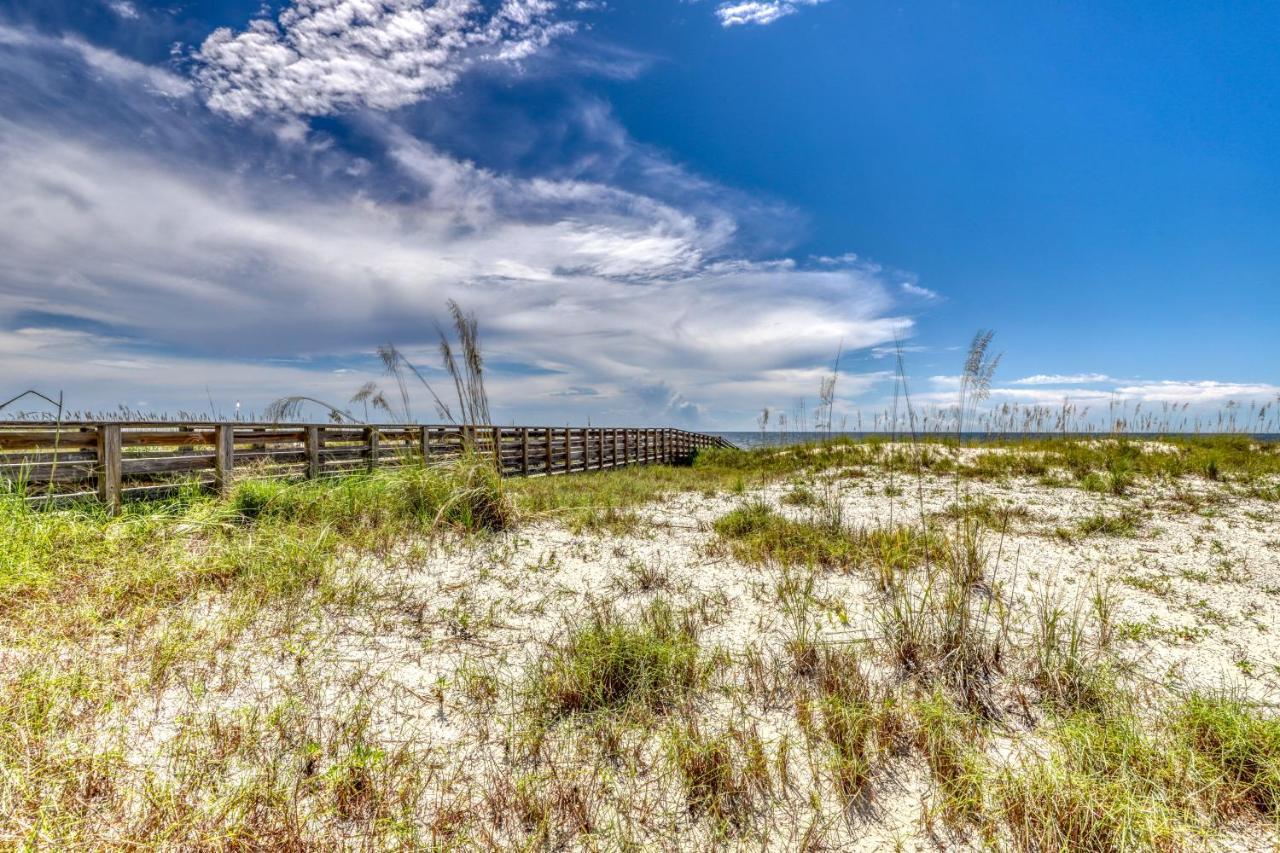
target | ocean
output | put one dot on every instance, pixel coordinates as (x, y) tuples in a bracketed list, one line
[(749, 439)]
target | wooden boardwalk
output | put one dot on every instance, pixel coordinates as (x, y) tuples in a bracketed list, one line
[(117, 461)]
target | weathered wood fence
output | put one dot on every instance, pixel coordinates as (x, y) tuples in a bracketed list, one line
[(130, 460)]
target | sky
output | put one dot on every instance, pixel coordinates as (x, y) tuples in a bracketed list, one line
[(670, 212)]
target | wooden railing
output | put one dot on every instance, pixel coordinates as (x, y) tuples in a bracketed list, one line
[(119, 461)]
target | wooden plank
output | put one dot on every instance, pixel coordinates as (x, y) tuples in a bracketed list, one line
[(313, 452), (371, 447), (243, 436), (224, 463), (36, 457), (167, 439), (168, 464), (329, 453), (271, 457), (29, 439), (109, 465), (43, 473)]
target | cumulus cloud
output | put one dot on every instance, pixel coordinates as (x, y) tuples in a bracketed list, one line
[(740, 12), (323, 56)]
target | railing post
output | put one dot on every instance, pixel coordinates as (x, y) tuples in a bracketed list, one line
[(110, 466), (524, 451), (426, 443), (371, 447), (224, 457), (568, 450), (550, 453), (312, 444), (497, 447)]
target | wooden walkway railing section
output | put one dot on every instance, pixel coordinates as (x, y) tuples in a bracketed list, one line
[(119, 461)]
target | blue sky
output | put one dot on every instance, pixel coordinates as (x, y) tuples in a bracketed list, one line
[(661, 211)]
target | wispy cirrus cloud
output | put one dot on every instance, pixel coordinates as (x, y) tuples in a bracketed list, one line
[(759, 12), (1063, 379), (104, 62), (913, 289)]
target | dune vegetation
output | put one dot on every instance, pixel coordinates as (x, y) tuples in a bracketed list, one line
[(1052, 644)]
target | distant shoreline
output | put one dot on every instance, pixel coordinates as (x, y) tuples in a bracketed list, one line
[(748, 439)]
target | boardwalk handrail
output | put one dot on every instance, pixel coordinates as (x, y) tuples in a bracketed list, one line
[(118, 460)]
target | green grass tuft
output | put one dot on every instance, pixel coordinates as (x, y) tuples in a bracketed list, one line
[(1105, 785), (610, 664), (1236, 750)]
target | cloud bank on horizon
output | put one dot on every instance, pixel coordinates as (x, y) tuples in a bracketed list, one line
[(251, 221)]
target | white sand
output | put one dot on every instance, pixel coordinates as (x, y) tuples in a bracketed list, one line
[(1206, 585)]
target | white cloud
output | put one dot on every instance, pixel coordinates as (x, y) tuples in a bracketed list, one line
[(919, 292), (124, 9), (589, 285), (322, 56), (127, 70), (739, 12), (105, 62), (835, 260), (1198, 392), (1198, 396), (1063, 379)]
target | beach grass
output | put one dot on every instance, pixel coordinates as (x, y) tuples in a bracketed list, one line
[(214, 670)]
